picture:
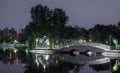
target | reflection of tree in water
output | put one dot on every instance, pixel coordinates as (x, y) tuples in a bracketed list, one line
[(101, 67), (77, 68), (22, 55), (33, 68), (54, 65), (9, 56), (4, 56)]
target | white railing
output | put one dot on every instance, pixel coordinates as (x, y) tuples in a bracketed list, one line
[(11, 46), (97, 45), (73, 43)]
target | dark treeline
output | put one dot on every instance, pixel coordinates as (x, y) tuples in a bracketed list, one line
[(9, 35), (52, 23)]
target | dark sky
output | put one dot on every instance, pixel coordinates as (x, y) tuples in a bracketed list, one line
[(85, 13)]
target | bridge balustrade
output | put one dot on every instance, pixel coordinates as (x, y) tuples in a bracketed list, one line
[(74, 43), (97, 45), (11, 46)]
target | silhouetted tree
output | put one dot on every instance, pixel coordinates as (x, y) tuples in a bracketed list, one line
[(46, 22), (94, 35)]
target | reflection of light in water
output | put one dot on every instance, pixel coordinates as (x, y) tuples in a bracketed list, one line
[(116, 66), (42, 61), (18, 60), (36, 60), (46, 57), (10, 55), (91, 53), (44, 66), (56, 61)]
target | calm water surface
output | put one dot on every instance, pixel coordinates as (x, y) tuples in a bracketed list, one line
[(22, 62)]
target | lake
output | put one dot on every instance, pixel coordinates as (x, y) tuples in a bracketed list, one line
[(26, 62)]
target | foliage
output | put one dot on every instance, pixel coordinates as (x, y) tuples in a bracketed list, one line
[(46, 21), (94, 35)]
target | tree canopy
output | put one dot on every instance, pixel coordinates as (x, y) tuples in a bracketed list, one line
[(46, 21)]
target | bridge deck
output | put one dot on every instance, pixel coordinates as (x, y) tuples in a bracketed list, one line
[(43, 51), (11, 46)]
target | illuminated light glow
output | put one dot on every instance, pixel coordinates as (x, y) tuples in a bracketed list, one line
[(81, 40), (15, 42), (115, 41), (15, 50), (26, 50), (36, 39), (115, 67), (90, 53), (84, 40), (90, 40), (44, 37), (47, 42)]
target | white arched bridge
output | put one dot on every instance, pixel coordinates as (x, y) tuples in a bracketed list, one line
[(107, 52), (82, 46), (11, 46), (68, 44)]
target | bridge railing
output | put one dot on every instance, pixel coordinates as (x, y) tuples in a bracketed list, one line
[(74, 43), (97, 45), (10, 46)]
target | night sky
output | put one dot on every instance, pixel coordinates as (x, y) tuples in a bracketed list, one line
[(85, 13)]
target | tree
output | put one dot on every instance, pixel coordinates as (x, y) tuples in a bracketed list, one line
[(39, 15), (94, 35), (47, 22), (22, 38)]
